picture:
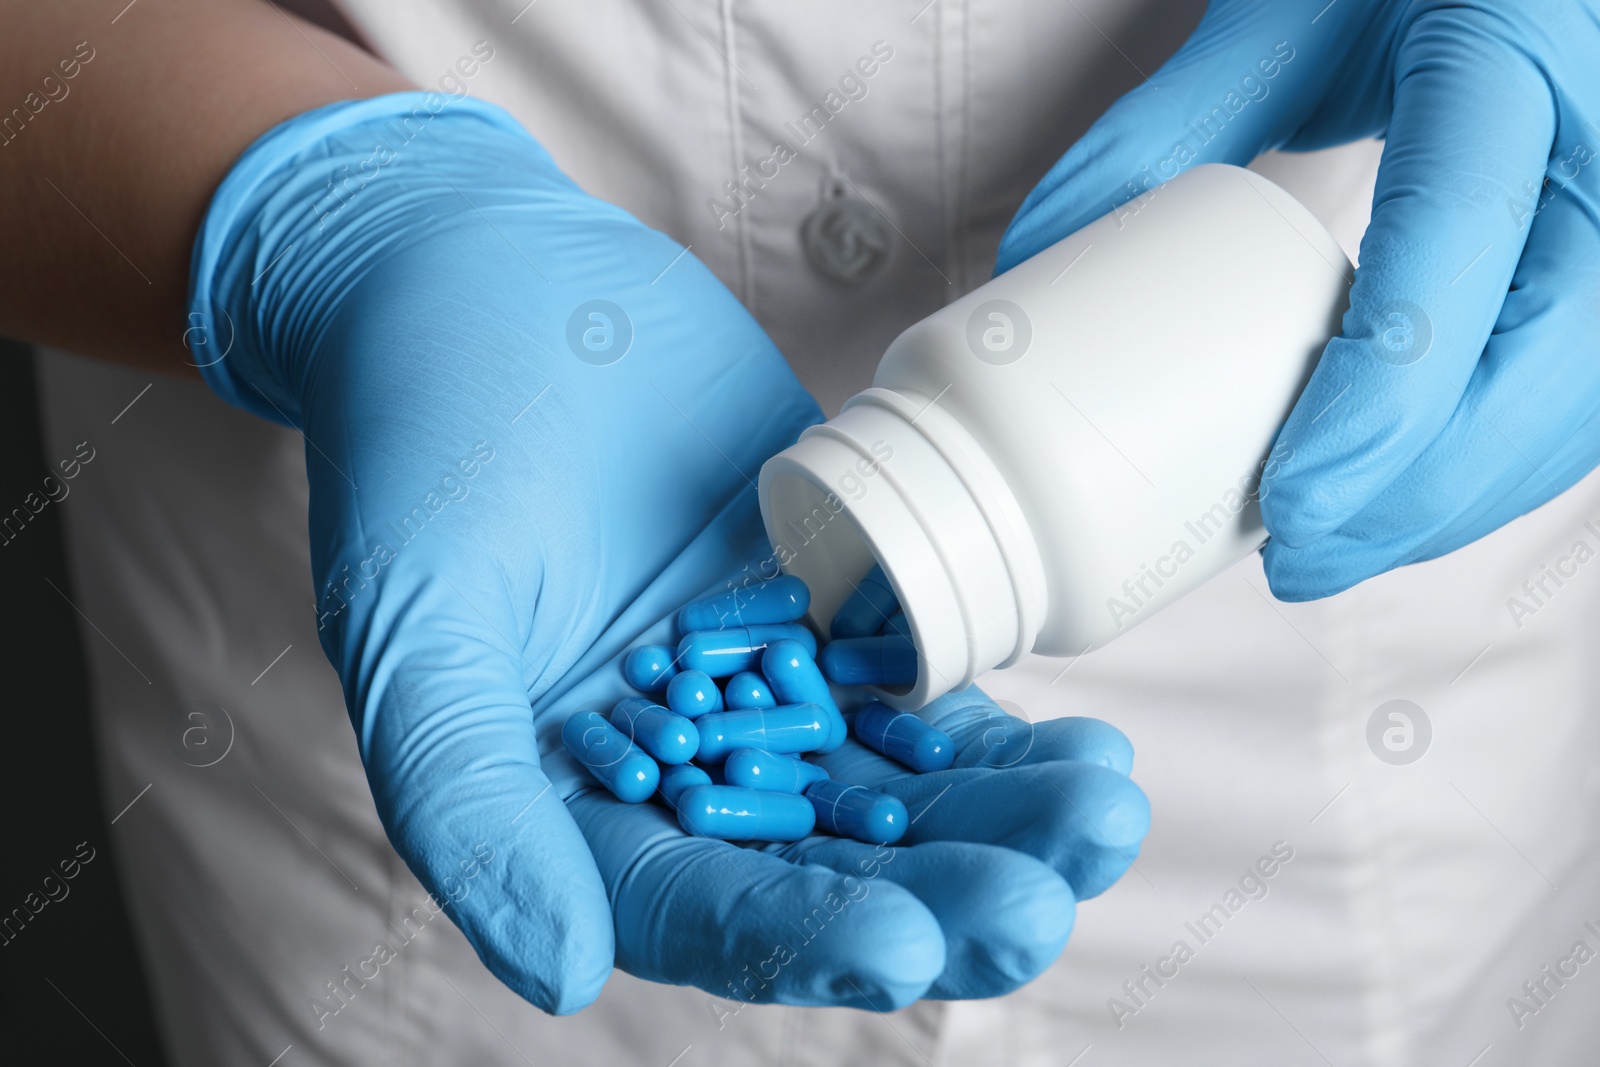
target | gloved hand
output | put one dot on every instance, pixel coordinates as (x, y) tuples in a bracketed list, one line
[(532, 431), (1030, 819), (1462, 391)]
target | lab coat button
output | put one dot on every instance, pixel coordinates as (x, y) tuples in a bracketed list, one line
[(846, 239)]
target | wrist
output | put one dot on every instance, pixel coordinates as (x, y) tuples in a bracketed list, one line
[(313, 204)]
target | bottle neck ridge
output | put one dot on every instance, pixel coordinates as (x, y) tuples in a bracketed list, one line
[(896, 479)]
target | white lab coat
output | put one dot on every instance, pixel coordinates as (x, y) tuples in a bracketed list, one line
[(1418, 898)]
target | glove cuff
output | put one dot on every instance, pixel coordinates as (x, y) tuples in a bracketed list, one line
[(307, 210)]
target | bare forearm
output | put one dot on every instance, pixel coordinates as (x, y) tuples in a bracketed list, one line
[(116, 125)]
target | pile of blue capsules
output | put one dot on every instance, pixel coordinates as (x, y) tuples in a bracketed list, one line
[(746, 698)]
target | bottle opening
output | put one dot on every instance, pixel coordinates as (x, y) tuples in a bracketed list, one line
[(816, 539), (871, 486)]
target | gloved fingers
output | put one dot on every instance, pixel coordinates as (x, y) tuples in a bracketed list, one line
[(1005, 916), (1563, 470), (1217, 100), (1524, 430), (1546, 407), (992, 737), (1083, 821), (1473, 124), (747, 925), (448, 742), (986, 735)]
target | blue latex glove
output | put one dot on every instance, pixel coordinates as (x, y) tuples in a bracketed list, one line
[(1463, 390), (510, 483), (1029, 819)]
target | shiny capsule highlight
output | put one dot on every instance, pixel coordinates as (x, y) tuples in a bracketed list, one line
[(736, 814), (668, 737), (649, 667), (904, 738), (788, 729), (619, 764), (795, 679), (693, 694), (755, 769), (782, 599), (722, 653), (858, 812), (748, 689)]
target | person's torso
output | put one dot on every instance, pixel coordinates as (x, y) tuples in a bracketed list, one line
[(1419, 896)]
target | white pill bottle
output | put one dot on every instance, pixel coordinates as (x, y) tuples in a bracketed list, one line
[(1049, 460)]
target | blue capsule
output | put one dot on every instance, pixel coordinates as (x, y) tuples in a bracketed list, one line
[(902, 736), (649, 667), (887, 660), (788, 729), (748, 689), (755, 769), (898, 624), (858, 812), (678, 778), (783, 599), (669, 738), (864, 611), (721, 653), (619, 764), (736, 814), (796, 680), (692, 694)]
